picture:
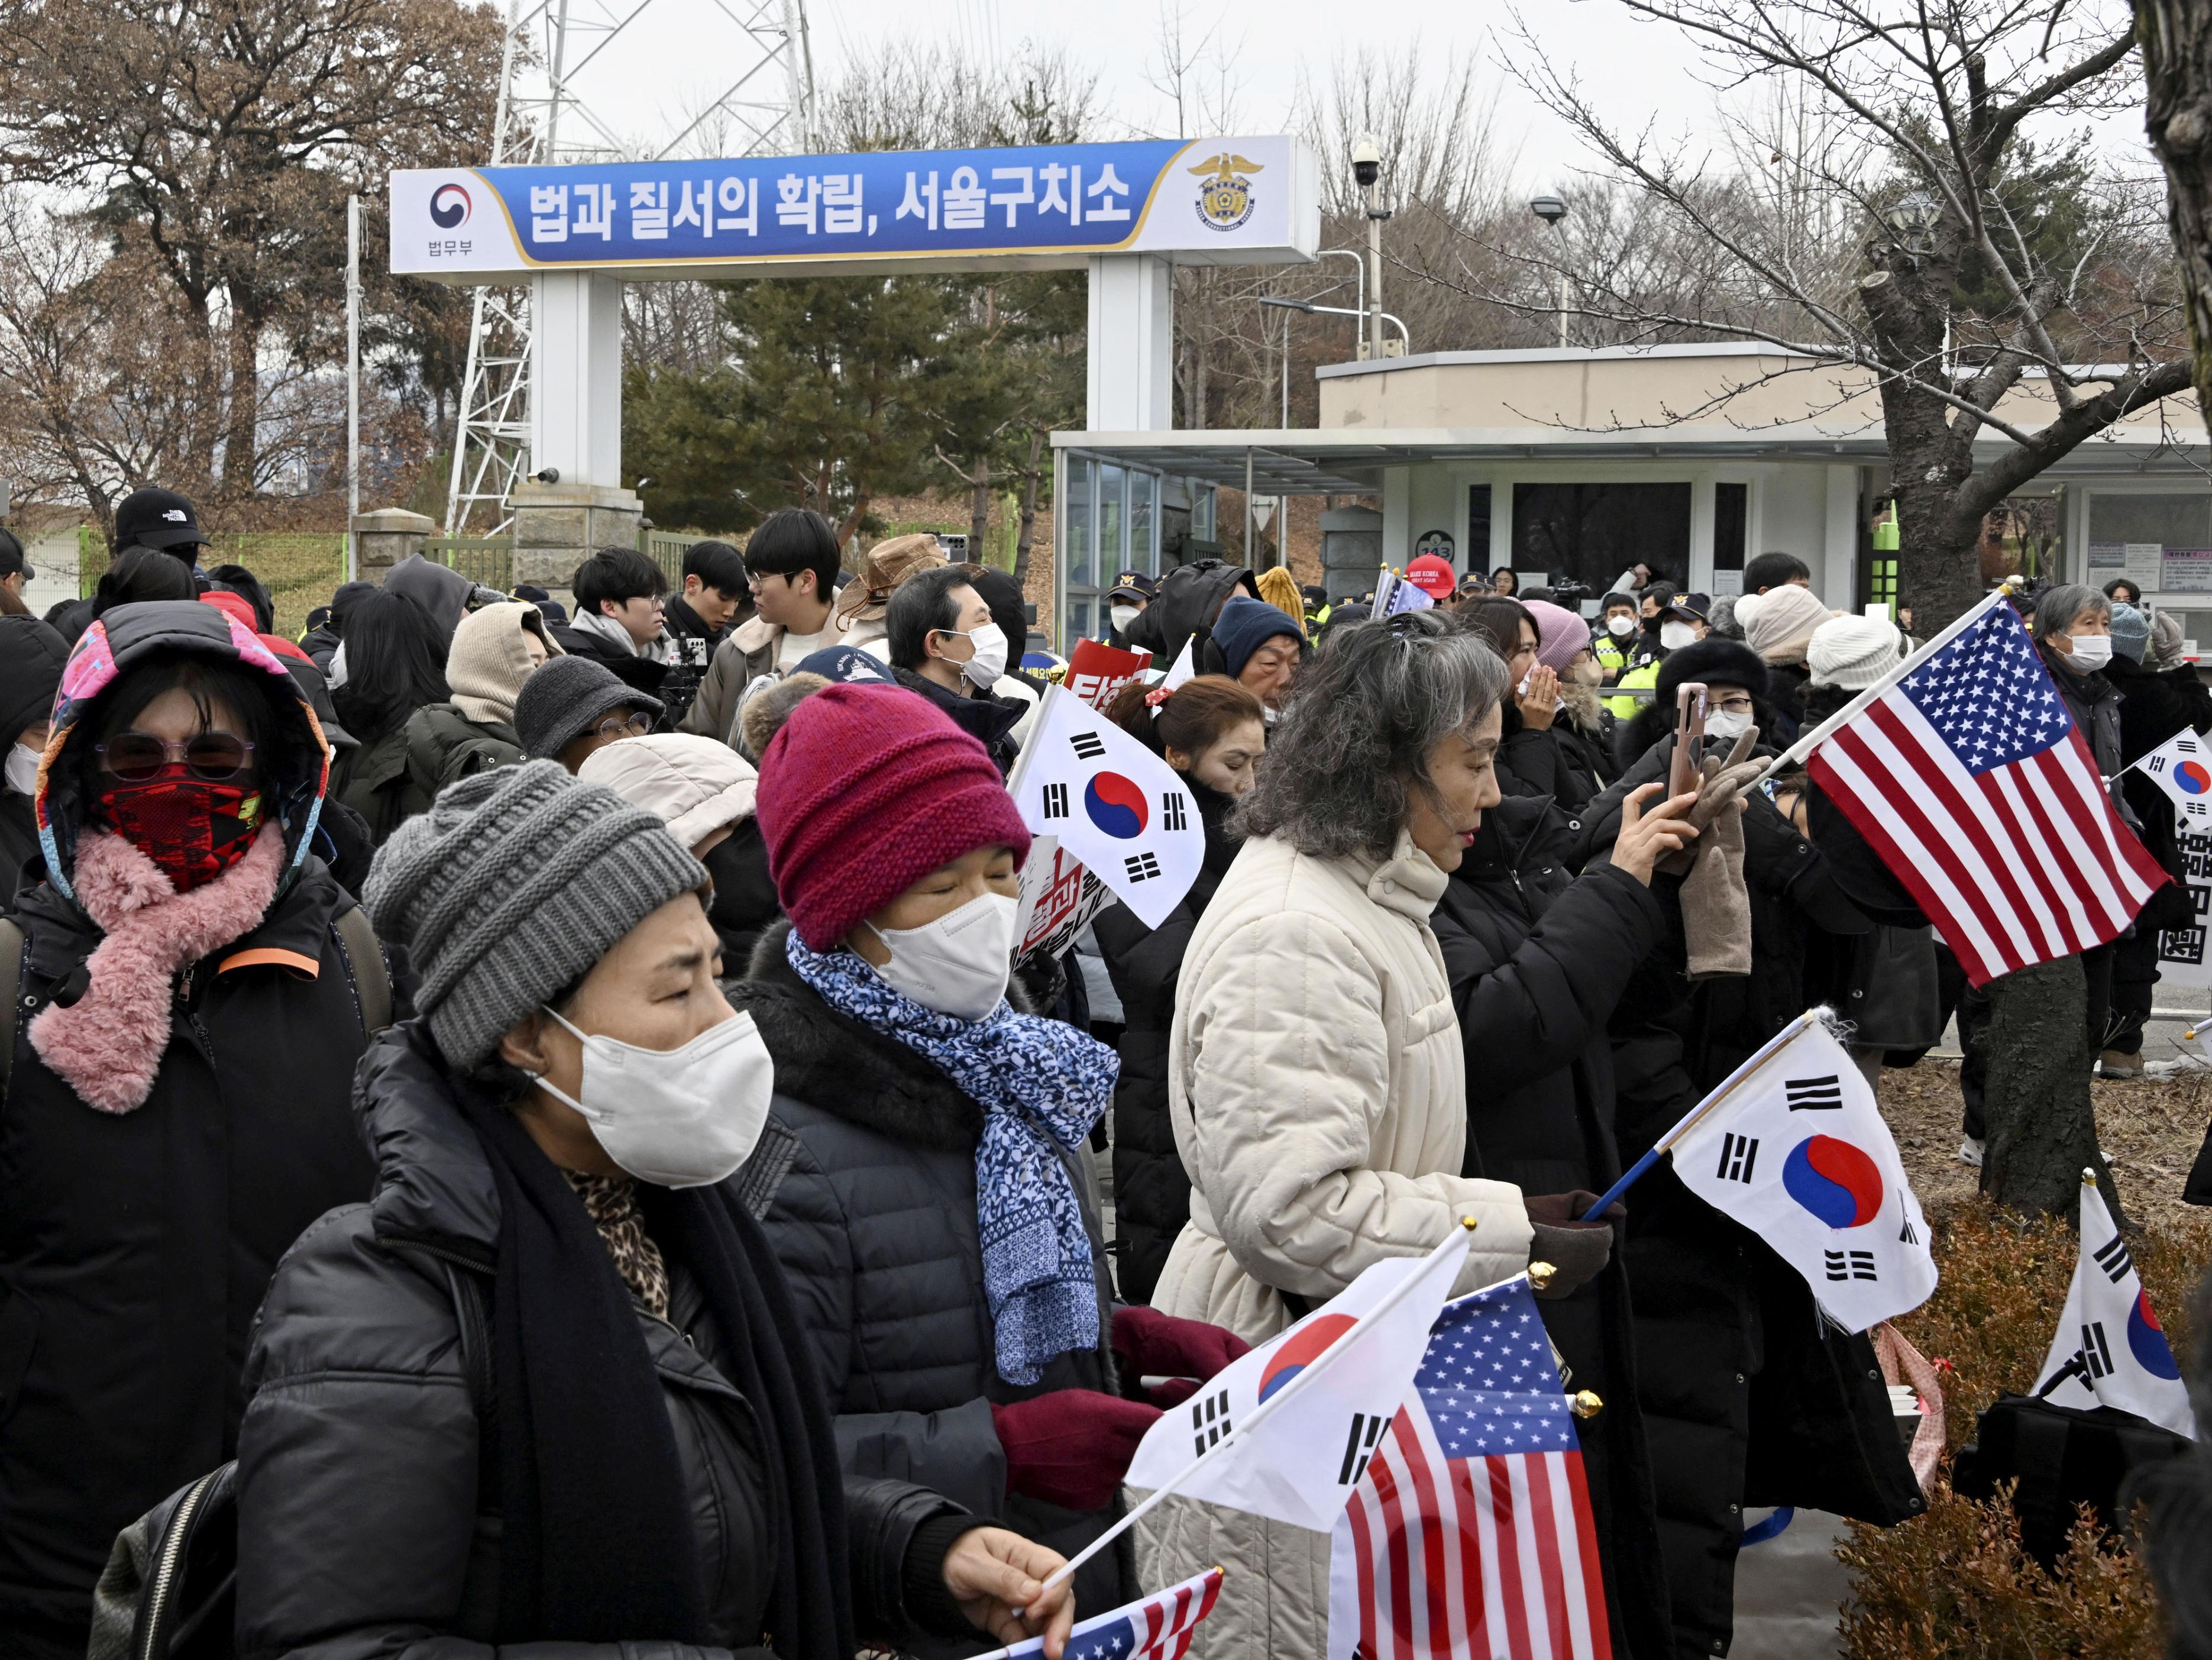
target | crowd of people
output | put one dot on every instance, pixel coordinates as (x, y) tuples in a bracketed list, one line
[(551, 1093)]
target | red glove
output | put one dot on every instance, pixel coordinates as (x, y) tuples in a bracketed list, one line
[(1071, 1447), (1149, 1343)]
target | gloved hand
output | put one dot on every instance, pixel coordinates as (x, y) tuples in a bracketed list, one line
[(1715, 904), (1188, 1351), (1724, 780), (1578, 1250), (1071, 1447)]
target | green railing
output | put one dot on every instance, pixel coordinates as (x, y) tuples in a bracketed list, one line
[(487, 560)]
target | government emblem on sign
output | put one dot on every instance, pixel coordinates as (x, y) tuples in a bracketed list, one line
[(1224, 200)]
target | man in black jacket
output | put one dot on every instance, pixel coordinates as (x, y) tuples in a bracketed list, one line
[(620, 618), (714, 601), (945, 645), (31, 659)]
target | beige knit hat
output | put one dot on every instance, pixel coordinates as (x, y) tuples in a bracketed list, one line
[(1779, 624), (487, 662)]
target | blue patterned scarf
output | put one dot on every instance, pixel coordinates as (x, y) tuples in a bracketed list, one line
[(1038, 1081)]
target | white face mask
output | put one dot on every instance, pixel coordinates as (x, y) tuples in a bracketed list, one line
[(958, 965), (1619, 626), (1727, 725), (2091, 653), (1676, 635), (677, 1118), (1122, 616), (23, 769), (989, 662)]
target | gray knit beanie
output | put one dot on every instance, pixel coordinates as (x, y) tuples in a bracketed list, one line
[(565, 699), (2130, 630), (508, 890)]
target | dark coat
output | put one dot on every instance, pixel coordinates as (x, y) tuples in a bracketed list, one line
[(1151, 1189), (2153, 707), (1551, 764), (361, 1524), (873, 1217), (1537, 959), (989, 721), (19, 848), (443, 745), (135, 1248), (374, 781), (745, 904), (2095, 703), (639, 673), (691, 652), (1190, 597)]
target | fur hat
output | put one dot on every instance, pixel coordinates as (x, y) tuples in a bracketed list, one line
[(1714, 662)]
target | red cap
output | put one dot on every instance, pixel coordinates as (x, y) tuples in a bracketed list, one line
[(1433, 576), (864, 791)]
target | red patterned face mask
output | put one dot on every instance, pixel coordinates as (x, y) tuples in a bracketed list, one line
[(194, 831)]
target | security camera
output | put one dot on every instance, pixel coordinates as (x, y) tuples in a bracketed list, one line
[(1366, 159), (1549, 209), (547, 474)]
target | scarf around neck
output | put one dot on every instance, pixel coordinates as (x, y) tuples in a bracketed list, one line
[(1042, 1086)]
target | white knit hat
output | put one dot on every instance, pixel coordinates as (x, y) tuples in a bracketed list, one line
[(697, 785), (1854, 652), (1776, 624)]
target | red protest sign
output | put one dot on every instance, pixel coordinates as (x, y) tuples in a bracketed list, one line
[(1096, 670)]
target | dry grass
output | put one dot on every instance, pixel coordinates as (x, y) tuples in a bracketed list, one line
[(1954, 1584)]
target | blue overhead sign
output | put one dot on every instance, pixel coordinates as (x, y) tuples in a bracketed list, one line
[(1238, 201)]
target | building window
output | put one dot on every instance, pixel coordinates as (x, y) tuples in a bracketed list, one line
[(1144, 550), (2162, 544), (1081, 572), (1590, 533), (1731, 534), (1113, 524), (1478, 528)]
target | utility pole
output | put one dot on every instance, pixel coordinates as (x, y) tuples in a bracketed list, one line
[(353, 385), (1551, 210), (1367, 170)]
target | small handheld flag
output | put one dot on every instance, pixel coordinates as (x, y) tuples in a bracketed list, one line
[(1113, 805), (2110, 1350), (1393, 595), (1157, 1627), (2182, 767), (1799, 1153), (1470, 1531)]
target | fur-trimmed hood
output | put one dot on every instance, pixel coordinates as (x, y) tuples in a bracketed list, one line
[(833, 1062)]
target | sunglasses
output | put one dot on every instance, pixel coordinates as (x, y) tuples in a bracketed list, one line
[(135, 757)]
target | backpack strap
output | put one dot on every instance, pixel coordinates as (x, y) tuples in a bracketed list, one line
[(372, 978), (12, 943)]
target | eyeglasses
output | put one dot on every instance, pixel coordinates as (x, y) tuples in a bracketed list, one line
[(1740, 704), (135, 757), (634, 724)]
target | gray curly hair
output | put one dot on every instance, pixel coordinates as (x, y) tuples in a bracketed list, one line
[(1358, 732)]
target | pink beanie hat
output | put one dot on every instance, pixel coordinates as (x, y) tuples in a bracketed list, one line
[(864, 791), (1561, 636)]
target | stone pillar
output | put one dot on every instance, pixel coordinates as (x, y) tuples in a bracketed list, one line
[(557, 526), (1350, 550), (383, 537)]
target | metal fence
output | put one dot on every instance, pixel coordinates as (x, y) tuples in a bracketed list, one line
[(487, 560)]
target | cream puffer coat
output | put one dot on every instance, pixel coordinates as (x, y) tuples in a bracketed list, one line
[(1318, 1090)]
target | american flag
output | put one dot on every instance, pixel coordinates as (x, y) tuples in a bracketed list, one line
[(1470, 1533), (1969, 779), (1159, 1628)]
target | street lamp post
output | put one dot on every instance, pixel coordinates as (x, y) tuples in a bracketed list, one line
[(1551, 210), (1405, 337)]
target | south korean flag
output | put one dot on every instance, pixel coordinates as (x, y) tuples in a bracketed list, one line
[(2110, 1350), (1794, 1148), (1113, 805), (2182, 767)]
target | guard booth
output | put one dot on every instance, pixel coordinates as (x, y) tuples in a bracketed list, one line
[(1127, 212)]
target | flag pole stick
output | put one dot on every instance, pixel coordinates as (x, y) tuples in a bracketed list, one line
[(1689, 1121), (1264, 1411), (1805, 745)]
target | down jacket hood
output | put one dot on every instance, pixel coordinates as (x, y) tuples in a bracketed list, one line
[(119, 642)]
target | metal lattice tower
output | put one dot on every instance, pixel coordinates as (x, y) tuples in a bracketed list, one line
[(557, 102)]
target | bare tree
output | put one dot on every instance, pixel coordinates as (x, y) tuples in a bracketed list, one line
[(1935, 226), (2176, 50)]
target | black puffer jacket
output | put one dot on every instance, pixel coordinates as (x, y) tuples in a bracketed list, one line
[(1550, 764), (362, 1526), (1151, 1189), (31, 659), (640, 673), (873, 1217), (136, 1246), (989, 721), (1538, 957), (443, 745)]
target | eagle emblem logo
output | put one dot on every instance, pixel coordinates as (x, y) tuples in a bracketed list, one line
[(1224, 200)]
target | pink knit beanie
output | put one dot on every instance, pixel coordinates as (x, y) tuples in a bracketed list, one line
[(1561, 636), (864, 791)]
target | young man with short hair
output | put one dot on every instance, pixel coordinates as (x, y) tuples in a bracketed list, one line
[(618, 620), (944, 646), (1775, 570), (717, 597), (790, 565)]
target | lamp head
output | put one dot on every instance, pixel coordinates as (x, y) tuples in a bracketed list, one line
[(1549, 209)]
